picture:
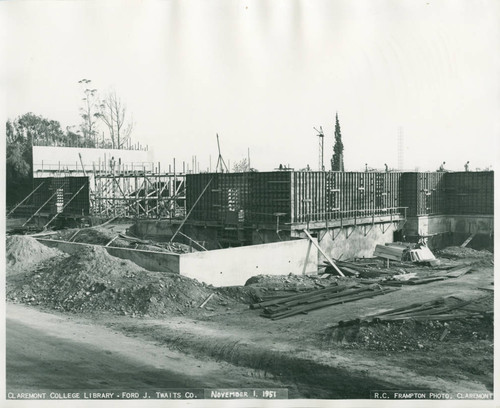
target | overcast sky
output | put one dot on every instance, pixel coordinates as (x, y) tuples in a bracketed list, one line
[(262, 74)]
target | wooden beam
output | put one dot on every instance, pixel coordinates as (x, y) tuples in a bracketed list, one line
[(110, 242), (28, 196), (192, 240), (466, 242), (330, 261), (192, 208), (39, 209)]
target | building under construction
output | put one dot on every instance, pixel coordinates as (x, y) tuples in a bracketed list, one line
[(234, 209)]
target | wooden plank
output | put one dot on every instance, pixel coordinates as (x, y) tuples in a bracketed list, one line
[(301, 296), (315, 297), (110, 242), (323, 253), (206, 300), (329, 302), (468, 240)]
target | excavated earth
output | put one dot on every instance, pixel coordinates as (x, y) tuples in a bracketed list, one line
[(308, 351)]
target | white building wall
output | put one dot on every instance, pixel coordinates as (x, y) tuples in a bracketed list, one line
[(55, 158)]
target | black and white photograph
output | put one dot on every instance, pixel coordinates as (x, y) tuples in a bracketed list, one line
[(249, 202)]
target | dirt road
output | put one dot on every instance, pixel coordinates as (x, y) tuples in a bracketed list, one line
[(50, 353)]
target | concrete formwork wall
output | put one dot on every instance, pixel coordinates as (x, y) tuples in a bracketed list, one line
[(298, 196), (234, 266), (360, 241), (469, 193), (67, 195)]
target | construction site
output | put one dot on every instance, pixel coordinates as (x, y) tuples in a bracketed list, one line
[(331, 285)]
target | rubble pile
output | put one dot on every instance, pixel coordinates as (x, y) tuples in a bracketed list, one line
[(96, 281), (455, 252), (289, 282), (409, 334), (23, 252)]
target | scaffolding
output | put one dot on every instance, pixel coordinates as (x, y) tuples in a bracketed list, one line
[(138, 195)]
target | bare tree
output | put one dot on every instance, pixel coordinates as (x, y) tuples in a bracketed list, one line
[(241, 166), (113, 113)]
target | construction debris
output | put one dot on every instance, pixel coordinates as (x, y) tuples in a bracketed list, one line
[(455, 252), (442, 309), (402, 251), (303, 303), (419, 326), (393, 251), (108, 237)]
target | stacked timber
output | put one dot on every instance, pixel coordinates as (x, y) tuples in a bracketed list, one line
[(394, 252), (415, 279), (300, 304)]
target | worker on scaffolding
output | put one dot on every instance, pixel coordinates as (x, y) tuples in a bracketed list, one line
[(466, 166), (441, 168)]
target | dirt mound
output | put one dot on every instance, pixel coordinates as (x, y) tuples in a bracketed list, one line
[(96, 281), (23, 252), (408, 335), (462, 253)]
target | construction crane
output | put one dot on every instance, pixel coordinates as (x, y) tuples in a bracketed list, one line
[(321, 137)]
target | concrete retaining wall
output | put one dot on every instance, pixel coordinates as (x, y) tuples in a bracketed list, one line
[(222, 267), (234, 266), (150, 260), (440, 224), (360, 241), (446, 230)]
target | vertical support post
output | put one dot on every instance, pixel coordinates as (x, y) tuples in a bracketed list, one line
[(146, 192), (158, 191), (174, 189), (136, 195)]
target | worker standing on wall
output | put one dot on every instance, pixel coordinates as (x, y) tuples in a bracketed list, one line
[(466, 166)]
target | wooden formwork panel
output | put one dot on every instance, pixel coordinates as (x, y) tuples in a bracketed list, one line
[(208, 206), (392, 197), (270, 194), (224, 200), (430, 193), (309, 196), (408, 192), (470, 193), (60, 194), (300, 197)]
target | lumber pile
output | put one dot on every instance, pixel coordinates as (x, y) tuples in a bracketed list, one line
[(399, 251), (441, 309), (357, 269), (394, 252), (303, 303), (415, 279)]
